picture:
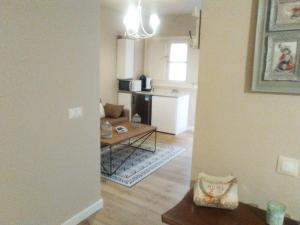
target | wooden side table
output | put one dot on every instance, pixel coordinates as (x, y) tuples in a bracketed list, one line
[(187, 213)]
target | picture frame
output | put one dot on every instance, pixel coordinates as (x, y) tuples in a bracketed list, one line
[(284, 15), (264, 78), (282, 57)]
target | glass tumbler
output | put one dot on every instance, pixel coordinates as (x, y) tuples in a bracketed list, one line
[(275, 213)]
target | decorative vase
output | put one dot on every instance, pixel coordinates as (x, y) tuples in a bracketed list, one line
[(275, 213), (106, 130), (136, 121)]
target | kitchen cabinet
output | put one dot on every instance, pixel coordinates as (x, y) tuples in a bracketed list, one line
[(170, 114), (126, 100), (125, 59)]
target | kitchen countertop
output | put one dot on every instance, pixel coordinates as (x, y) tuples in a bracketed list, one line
[(154, 93)]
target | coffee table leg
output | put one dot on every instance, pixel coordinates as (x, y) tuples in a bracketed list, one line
[(104, 169), (155, 136), (110, 160), (144, 138)]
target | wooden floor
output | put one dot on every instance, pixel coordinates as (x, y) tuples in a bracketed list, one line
[(144, 203)]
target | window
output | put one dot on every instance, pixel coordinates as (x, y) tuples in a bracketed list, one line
[(178, 61)]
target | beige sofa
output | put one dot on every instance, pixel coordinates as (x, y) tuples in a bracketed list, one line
[(117, 121)]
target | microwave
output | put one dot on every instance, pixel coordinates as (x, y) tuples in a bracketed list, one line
[(130, 85)]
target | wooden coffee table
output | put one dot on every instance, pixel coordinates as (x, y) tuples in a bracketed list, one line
[(139, 134)]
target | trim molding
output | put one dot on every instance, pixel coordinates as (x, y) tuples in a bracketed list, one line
[(84, 214)]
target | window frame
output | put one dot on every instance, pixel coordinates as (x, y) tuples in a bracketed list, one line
[(169, 62)]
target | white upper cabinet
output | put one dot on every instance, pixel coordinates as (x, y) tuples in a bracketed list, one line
[(125, 59)]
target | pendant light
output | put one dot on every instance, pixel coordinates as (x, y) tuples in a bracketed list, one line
[(133, 22)]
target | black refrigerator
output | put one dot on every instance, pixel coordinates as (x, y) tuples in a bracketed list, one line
[(142, 105)]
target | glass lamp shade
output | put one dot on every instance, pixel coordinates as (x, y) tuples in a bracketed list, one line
[(154, 22), (131, 19), (133, 22)]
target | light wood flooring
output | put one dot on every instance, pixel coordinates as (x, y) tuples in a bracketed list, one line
[(144, 203)]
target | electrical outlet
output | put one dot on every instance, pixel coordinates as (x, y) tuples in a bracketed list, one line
[(288, 166), (75, 113)]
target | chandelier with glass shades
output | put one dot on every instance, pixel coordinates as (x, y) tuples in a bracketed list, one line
[(133, 22)]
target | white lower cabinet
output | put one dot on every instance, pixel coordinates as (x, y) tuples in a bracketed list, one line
[(170, 114), (125, 99)]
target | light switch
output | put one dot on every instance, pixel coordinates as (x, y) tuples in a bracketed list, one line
[(75, 113), (288, 166)]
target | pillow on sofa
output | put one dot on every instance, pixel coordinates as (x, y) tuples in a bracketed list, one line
[(101, 110), (113, 111)]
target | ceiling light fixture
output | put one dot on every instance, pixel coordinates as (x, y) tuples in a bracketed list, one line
[(133, 22)]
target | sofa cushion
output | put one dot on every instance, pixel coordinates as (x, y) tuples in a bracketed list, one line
[(113, 111), (115, 122)]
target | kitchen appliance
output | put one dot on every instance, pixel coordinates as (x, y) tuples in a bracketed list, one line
[(142, 105), (146, 83), (130, 85)]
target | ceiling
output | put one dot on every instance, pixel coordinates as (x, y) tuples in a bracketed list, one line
[(163, 7)]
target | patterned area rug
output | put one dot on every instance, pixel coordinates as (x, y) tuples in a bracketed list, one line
[(140, 164)]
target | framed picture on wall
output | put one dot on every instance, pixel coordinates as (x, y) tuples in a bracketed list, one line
[(282, 57), (276, 67), (285, 15)]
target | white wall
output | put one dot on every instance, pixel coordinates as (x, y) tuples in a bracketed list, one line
[(177, 25), (49, 62), (173, 28), (238, 131), (139, 54), (156, 63), (112, 27), (171, 25), (157, 52)]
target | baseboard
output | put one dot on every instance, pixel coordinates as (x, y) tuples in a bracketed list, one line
[(84, 214)]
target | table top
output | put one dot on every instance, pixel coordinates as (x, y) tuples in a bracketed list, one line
[(187, 213), (132, 132)]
